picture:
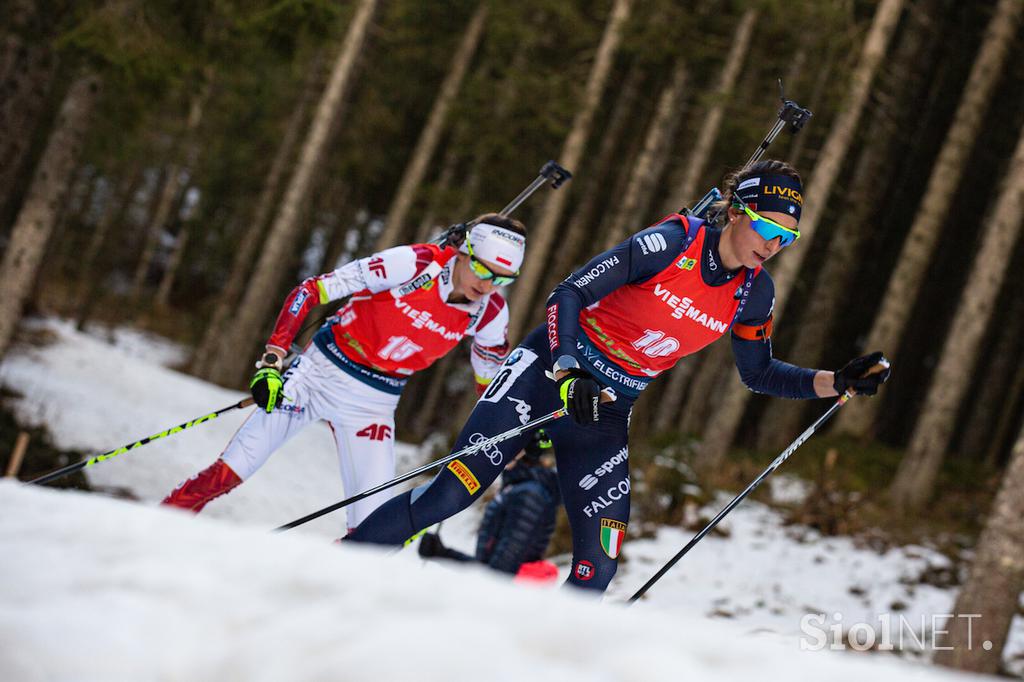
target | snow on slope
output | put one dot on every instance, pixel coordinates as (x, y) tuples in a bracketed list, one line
[(93, 588), (94, 396), (96, 393)]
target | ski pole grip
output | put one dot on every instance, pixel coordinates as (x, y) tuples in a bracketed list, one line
[(877, 368), (556, 173)]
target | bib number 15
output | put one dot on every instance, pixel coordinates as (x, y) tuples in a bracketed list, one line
[(398, 348), (655, 344)]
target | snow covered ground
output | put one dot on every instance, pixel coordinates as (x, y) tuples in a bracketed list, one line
[(93, 588)]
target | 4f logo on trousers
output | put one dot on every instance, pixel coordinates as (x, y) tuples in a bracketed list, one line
[(375, 432)]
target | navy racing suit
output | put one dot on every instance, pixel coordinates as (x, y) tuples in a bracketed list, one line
[(593, 460)]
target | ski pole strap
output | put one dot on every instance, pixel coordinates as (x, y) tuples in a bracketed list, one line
[(71, 468)]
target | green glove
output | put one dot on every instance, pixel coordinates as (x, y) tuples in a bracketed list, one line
[(267, 388)]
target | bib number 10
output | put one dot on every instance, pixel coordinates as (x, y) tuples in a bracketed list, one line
[(398, 348), (655, 344)]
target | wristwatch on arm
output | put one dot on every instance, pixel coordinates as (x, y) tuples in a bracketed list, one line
[(273, 357)]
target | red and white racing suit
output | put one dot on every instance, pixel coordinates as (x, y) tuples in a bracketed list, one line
[(397, 322)]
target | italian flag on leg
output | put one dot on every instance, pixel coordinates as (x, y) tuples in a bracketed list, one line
[(612, 534)]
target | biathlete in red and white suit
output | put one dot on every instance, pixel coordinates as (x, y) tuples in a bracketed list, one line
[(409, 306), (618, 322)]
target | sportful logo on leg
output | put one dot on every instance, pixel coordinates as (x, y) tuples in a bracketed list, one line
[(612, 534), (590, 480), (613, 494)]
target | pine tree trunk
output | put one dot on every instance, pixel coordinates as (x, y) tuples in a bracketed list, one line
[(824, 77), (441, 188), (414, 173), (697, 160), (722, 429), (542, 234), (174, 178), (163, 292), (506, 96), (706, 388), (338, 244), (632, 209), (906, 281), (259, 296), (584, 215), (996, 578), (995, 389), (915, 478), (902, 84), (694, 167), (1009, 415), (38, 212), (27, 71), (89, 275), (191, 157), (212, 348), (168, 193)]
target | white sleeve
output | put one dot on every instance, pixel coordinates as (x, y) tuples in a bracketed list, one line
[(490, 340), (375, 273)]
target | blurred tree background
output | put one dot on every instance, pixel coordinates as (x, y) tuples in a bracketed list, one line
[(157, 157)]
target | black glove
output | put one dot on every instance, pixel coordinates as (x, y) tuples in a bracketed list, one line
[(431, 546), (581, 394), (852, 376)]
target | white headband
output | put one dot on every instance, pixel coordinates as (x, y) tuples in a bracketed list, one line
[(497, 245)]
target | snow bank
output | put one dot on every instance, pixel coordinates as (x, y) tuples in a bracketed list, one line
[(95, 392), (99, 589), (94, 395)]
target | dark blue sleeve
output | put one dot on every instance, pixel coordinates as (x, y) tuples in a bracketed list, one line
[(637, 259), (759, 371)]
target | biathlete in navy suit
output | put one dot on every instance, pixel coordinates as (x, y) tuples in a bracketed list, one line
[(618, 322)]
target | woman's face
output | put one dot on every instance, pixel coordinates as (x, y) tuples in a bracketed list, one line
[(466, 284), (751, 249)]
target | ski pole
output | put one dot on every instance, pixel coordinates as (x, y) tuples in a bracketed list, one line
[(606, 397), (468, 450), (801, 439), (454, 234), (71, 468), (550, 171), (790, 114)]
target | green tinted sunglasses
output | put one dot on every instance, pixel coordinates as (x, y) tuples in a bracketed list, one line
[(765, 228), (484, 272)]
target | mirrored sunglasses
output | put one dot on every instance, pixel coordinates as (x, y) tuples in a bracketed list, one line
[(765, 228)]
